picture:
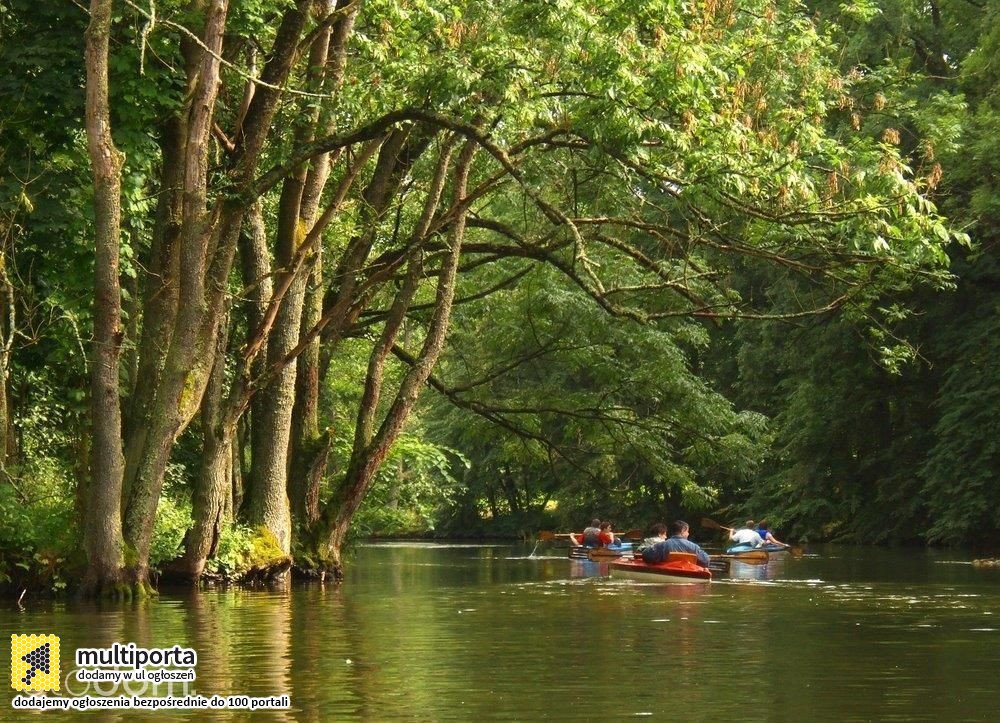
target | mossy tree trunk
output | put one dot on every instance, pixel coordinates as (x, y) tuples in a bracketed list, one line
[(309, 446), (208, 226), (267, 501), (212, 501)]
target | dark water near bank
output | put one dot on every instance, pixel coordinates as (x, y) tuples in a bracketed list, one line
[(428, 632)]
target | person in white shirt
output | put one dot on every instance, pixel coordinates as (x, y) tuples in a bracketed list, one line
[(746, 536)]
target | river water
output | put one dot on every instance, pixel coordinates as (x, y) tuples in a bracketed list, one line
[(439, 632)]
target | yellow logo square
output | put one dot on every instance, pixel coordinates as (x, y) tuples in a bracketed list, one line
[(34, 662)]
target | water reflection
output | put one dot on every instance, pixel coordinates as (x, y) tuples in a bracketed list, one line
[(773, 569), (423, 632), (588, 568)]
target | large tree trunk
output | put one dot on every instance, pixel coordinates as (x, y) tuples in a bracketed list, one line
[(396, 155), (102, 528), (185, 362), (267, 501), (207, 241), (160, 297), (219, 490), (258, 505), (309, 446), (213, 503)]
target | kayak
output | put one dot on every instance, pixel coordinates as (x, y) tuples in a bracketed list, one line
[(611, 552), (769, 548), (679, 568)]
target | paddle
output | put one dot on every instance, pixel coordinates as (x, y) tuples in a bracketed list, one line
[(713, 525), (717, 565), (549, 535), (746, 560)]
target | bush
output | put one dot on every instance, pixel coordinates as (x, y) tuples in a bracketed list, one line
[(39, 541), (173, 520), (242, 548)]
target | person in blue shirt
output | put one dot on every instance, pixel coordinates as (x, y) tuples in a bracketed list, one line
[(766, 536), (677, 542)]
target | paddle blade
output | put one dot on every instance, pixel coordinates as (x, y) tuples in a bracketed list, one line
[(546, 536), (717, 565), (713, 525), (633, 534)]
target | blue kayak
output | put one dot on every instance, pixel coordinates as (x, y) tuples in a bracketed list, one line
[(768, 547), (585, 552)]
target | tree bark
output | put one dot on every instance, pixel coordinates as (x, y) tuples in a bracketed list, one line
[(219, 488), (259, 507), (102, 526), (185, 361), (160, 298), (267, 501), (310, 447), (212, 499)]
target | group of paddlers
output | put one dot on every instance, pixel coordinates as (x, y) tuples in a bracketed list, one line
[(756, 535), (653, 549), (598, 534), (658, 546)]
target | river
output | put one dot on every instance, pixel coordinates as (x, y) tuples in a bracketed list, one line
[(469, 632)]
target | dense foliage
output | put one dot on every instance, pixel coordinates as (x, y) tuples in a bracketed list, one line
[(648, 258), (900, 446)]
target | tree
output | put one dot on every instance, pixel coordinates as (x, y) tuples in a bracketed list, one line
[(556, 402), (388, 162), (104, 541), (871, 423)]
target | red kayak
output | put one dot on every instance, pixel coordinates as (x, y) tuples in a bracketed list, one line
[(680, 567)]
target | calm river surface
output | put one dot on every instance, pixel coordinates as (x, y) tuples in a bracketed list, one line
[(435, 632)]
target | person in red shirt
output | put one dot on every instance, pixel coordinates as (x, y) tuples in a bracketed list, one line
[(595, 535), (606, 536)]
